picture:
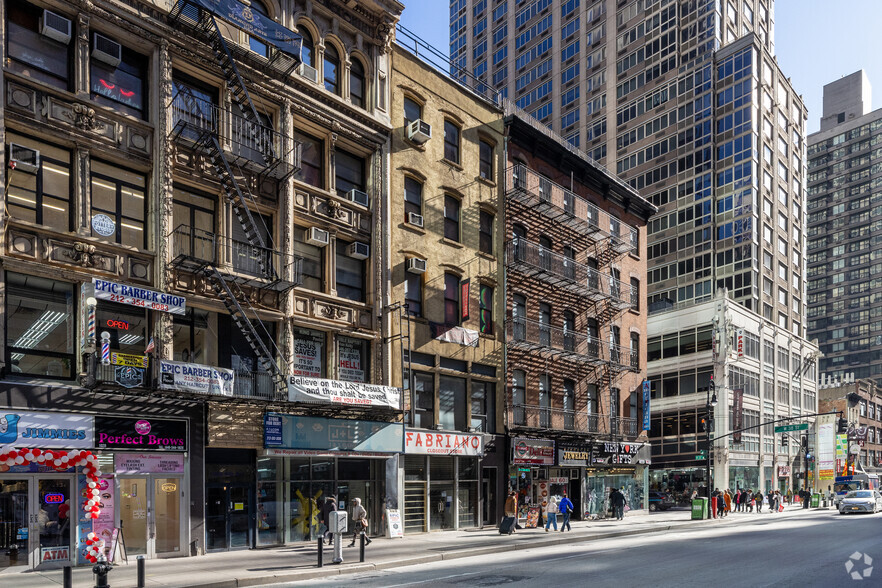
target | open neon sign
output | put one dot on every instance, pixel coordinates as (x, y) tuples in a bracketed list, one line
[(54, 498)]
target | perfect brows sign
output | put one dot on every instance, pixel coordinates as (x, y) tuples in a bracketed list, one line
[(253, 23)]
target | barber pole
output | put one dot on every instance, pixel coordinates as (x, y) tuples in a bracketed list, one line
[(105, 348)]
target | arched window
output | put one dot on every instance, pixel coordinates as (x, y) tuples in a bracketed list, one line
[(255, 44), (307, 49), (357, 84), (332, 67)]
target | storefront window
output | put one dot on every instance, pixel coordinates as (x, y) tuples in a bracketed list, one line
[(743, 477), (467, 491), (441, 489), (270, 518), (598, 485), (353, 362), (308, 356), (40, 327), (126, 325)]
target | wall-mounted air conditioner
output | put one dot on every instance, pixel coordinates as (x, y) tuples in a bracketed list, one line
[(24, 158), (317, 236), (55, 27), (359, 250), (308, 72), (415, 219), (415, 265), (106, 50), (419, 131), (359, 197)]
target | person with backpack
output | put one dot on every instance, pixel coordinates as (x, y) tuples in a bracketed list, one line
[(565, 506), (617, 499)]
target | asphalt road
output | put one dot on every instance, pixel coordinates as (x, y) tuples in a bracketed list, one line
[(808, 550)]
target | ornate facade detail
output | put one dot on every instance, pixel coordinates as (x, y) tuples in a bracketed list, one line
[(82, 253), (82, 116)]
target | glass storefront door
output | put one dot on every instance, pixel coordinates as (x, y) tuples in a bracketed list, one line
[(150, 515), (36, 529), (228, 517)]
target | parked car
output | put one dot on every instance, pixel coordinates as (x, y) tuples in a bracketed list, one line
[(861, 501), (660, 501)]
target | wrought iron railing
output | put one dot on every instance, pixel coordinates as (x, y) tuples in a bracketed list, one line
[(526, 416)]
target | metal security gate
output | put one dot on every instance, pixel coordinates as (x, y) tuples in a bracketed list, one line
[(414, 507)]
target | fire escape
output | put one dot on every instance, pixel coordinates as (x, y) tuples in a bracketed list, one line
[(606, 297), (233, 146)]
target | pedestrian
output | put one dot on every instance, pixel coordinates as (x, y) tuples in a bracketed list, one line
[(550, 513), (789, 496), (328, 506), (511, 508), (359, 522), (721, 504), (617, 499), (758, 501), (727, 498), (565, 506), (737, 498), (806, 498)]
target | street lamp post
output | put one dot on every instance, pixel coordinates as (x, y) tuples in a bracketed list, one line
[(711, 403)]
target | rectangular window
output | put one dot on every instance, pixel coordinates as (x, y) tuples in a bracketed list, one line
[(413, 197), (486, 232), (519, 397), (486, 160), (424, 400), (120, 194), (350, 274), (451, 299), (413, 293), (312, 160), (452, 403), (451, 217), (41, 197), (348, 173), (123, 87), (486, 309), (353, 360), (313, 261), (451, 142), (33, 54), (40, 327), (483, 407)]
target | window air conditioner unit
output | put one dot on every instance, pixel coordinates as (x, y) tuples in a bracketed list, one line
[(359, 197), (55, 27), (24, 158), (415, 265), (106, 50), (317, 236), (308, 72), (359, 250), (419, 131), (415, 219)]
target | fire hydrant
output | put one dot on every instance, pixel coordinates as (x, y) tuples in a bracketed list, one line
[(101, 569)]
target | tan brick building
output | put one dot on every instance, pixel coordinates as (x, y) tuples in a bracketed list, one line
[(445, 295), (575, 268)]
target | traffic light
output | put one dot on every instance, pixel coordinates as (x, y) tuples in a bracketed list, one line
[(805, 442), (784, 440), (713, 387), (842, 426), (703, 425)]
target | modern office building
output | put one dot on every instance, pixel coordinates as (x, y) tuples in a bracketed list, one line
[(686, 102), (845, 231)]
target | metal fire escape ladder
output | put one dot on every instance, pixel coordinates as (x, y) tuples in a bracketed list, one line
[(238, 91), (232, 301)]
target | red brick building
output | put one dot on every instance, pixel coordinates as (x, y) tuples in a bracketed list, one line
[(575, 275)]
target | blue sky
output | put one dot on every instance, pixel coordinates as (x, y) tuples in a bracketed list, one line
[(816, 41)]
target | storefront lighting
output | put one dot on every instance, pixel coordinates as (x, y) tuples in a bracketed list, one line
[(129, 339), (41, 328)]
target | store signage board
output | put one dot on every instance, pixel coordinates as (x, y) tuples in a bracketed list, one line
[(318, 390), (616, 453), (573, 455), (394, 528), (435, 443), (140, 434), (317, 433), (786, 428), (532, 451), (196, 378), (140, 297), (148, 463), (45, 430)]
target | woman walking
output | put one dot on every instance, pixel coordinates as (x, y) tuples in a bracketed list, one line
[(359, 522), (550, 512)]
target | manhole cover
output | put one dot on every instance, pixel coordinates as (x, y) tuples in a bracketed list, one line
[(494, 580)]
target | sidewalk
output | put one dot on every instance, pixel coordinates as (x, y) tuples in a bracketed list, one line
[(298, 562)]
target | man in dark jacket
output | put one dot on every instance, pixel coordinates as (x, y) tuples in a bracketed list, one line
[(617, 499), (328, 506)]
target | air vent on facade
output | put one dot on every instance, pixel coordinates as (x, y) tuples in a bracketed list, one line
[(308, 72), (317, 236), (359, 250), (415, 265), (359, 197), (55, 27), (24, 158), (415, 219), (419, 131), (106, 50)]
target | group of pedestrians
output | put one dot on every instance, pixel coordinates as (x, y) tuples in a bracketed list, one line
[(746, 500), (552, 507), (359, 520)]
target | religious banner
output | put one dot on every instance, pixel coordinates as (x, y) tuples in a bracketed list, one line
[(323, 391)]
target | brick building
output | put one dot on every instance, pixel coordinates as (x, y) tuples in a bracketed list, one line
[(860, 403), (575, 269)]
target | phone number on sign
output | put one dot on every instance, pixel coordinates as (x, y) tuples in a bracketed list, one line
[(139, 302)]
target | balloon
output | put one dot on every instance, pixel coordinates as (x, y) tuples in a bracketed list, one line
[(19, 460), (65, 459), (94, 515), (92, 484), (29, 456), (36, 451), (10, 461)]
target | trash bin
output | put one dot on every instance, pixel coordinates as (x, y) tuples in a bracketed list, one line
[(699, 508), (816, 500)]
